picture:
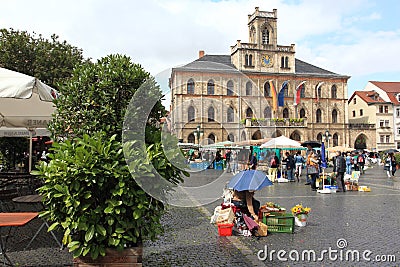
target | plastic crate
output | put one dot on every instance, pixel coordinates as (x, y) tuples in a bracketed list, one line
[(225, 229), (280, 223)]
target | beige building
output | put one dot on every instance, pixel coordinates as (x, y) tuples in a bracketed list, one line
[(260, 90), (375, 114)]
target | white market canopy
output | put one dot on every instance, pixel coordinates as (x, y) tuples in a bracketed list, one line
[(25, 105), (281, 142)]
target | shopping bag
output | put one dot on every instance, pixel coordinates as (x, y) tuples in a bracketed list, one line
[(311, 169), (226, 216), (262, 229)]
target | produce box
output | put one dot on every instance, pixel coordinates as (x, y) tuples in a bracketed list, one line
[(279, 223)]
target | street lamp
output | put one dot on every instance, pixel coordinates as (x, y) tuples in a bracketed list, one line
[(198, 132)]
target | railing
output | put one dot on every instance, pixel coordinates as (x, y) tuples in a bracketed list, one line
[(281, 122), (361, 126)]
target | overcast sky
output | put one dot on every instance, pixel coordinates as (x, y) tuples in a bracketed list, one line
[(359, 38)]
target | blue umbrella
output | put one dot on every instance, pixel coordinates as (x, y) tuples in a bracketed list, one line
[(323, 158), (249, 180)]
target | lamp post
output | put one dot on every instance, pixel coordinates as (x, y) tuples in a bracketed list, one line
[(198, 132)]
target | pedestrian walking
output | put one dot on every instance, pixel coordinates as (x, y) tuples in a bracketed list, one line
[(273, 168), (339, 168), (361, 162), (228, 160), (234, 162), (290, 166), (299, 161), (390, 165), (312, 170), (253, 161), (349, 163)]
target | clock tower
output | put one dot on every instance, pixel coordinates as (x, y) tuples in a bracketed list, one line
[(262, 53)]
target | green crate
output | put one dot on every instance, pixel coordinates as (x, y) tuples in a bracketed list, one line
[(279, 223)]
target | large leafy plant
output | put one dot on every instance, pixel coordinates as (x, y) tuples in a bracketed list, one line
[(89, 191)]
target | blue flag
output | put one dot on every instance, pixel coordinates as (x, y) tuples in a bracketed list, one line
[(281, 95), (323, 158)]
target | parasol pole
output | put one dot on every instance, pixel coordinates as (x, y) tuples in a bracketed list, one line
[(30, 151)]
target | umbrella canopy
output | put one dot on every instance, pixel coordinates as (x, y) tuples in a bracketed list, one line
[(339, 148), (249, 180), (25, 105), (392, 150), (313, 144), (281, 142)]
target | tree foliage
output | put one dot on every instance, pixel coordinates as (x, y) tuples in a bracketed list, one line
[(49, 60)]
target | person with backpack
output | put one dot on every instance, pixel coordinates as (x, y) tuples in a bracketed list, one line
[(273, 168), (361, 162), (339, 168)]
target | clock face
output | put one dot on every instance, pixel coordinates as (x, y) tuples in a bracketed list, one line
[(266, 61)]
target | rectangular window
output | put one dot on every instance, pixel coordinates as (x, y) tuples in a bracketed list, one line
[(386, 109), (386, 123), (398, 112), (398, 130), (354, 101), (361, 112), (380, 109), (387, 138), (382, 138), (381, 123), (354, 113)]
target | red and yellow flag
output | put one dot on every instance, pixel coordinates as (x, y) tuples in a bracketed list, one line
[(274, 96)]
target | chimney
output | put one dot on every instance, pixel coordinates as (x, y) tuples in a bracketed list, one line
[(201, 53)]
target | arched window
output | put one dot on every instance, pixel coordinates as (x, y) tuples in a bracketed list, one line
[(335, 139), (243, 136), (295, 136), (229, 88), (267, 112), (319, 137), (246, 60), (250, 60), (231, 137), (286, 62), (286, 90), (302, 113), (190, 87), (252, 36), (318, 118), (256, 135), (267, 89), (191, 138), (230, 115), (210, 114), (334, 116), (249, 113), (210, 87), (211, 139), (265, 36), (319, 92), (285, 113), (282, 62), (303, 91), (191, 114), (334, 92), (249, 88)]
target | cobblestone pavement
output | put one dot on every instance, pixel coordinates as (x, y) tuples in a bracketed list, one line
[(365, 221)]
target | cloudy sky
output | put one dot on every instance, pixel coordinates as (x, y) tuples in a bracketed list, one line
[(359, 38)]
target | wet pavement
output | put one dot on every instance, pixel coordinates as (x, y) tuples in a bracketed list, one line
[(340, 227)]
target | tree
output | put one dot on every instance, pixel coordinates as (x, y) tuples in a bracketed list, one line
[(48, 60)]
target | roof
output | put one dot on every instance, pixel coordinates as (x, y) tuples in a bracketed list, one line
[(392, 89), (368, 97), (223, 63)]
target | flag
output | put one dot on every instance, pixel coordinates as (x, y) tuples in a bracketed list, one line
[(297, 95), (316, 90), (281, 95), (274, 97), (323, 158)]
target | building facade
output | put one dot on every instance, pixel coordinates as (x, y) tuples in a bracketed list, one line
[(260, 90), (378, 105)]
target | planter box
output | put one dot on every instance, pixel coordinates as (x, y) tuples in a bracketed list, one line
[(128, 257)]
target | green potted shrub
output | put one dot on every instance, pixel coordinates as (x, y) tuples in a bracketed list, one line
[(89, 190)]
